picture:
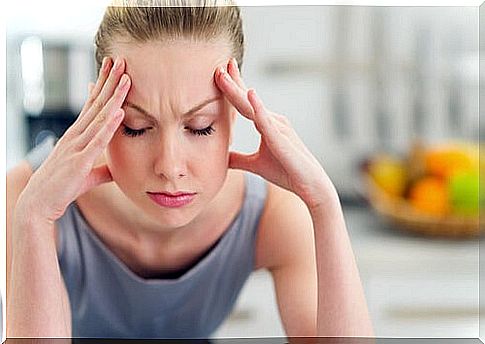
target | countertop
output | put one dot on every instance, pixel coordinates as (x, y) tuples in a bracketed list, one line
[(415, 286)]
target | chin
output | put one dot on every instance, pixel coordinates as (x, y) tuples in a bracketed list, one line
[(172, 217)]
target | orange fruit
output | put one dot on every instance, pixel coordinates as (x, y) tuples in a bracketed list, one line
[(444, 161), (429, 195)]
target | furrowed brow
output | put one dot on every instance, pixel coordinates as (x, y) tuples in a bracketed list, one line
[(188, 113)]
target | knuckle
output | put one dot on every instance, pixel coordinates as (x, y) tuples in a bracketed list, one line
[(100, 117), (98, 104), (283, 119), (69, 134), (91, 98), (78, 143), (63, 140)]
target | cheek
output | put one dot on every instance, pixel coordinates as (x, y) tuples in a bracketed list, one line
[(124, 159), (222, 140)]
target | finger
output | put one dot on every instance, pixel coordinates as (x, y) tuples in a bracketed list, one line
[(91, 87), (99, 142), (261, 114), (110, 108), (98, 175), (78, 126), (233, 70), (256, 103), (102, 77), (264, 118), (104, 95), (245, 162), (234, 93)]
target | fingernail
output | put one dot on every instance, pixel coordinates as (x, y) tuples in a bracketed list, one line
[(124, 81), (253, 91), (117, 63), (104, 65), (118, 114), (223, 73), (234, 61)]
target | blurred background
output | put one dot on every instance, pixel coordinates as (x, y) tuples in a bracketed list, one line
[(385, 97)]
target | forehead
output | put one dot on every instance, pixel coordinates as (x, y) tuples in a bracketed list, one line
[(181, 68)]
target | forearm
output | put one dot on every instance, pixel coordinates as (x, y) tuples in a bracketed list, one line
[(37, 304), (342, 308)]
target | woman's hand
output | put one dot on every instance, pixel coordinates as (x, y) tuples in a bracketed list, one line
[(282, 158), (68, 171)]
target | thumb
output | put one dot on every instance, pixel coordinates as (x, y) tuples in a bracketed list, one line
[(99, 175), (245, 162)]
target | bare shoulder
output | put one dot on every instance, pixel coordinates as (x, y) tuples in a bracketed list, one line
[(285, 233)]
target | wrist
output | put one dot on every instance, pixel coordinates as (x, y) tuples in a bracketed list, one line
[(323, 197), (28, 212)]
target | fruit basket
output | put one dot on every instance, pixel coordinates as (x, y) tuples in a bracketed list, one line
[(432, 190)]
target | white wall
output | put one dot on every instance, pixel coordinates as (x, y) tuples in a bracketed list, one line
[(325, 52)]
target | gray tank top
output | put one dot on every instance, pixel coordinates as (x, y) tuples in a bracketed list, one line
[(108, 300)]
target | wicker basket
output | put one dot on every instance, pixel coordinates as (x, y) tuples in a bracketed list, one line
[(399, 212)]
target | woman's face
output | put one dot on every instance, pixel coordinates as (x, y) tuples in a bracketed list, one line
[(177, 127)]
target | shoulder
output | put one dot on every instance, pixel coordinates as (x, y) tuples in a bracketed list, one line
[(285, 233)]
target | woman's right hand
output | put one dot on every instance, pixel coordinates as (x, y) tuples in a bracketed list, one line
[(69, 170)]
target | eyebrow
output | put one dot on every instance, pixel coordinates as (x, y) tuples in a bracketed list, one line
[(190, 112)]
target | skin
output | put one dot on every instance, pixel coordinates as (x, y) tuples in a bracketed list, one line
[(302, 231), (169, 156)]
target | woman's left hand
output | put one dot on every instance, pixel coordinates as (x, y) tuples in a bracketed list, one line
[(282, 158)]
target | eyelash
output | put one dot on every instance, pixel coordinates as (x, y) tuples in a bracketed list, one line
[(137, 132)]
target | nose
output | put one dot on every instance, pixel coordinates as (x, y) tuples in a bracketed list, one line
[(170, 160)]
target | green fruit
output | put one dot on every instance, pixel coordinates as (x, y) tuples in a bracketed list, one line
[(463, 188)]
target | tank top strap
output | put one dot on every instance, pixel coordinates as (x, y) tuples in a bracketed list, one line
[(254, 204)]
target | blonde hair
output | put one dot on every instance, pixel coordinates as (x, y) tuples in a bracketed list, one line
[(164, 20)]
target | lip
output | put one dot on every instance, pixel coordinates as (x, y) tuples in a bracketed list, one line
[(172, 200)]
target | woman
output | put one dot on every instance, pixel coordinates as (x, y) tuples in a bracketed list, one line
[(141, 223)]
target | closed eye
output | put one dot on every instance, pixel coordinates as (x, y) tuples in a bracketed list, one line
[(132, 132), (202, 132), (127, 131)]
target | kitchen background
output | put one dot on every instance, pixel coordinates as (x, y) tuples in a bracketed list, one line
[(355, 82)]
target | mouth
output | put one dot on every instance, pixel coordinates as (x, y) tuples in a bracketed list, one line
[(172, 200)]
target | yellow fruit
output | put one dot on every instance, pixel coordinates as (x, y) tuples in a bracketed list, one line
[(445, 160), (429, 195), (389, 174)]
